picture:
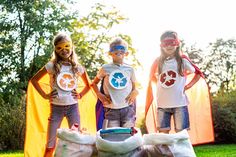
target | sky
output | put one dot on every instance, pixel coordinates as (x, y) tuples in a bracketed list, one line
[(197, 22)]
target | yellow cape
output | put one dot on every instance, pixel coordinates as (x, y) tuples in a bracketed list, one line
[(37, 113)]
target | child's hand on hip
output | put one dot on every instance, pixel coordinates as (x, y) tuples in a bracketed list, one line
[(75, 94), (105, 99), (131, 97), (52, 94)]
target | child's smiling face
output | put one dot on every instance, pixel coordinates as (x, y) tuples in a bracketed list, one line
[(64, 49), (118, 52)]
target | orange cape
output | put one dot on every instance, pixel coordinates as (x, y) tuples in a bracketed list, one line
[(37, 113), (200, 111)]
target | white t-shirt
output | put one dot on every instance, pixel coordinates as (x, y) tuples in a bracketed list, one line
[(64, 83), (170, 85), (117, 83)]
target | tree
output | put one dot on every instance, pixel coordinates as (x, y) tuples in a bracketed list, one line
[(26, 30), (219, 64), (194, 53), (91, 37)]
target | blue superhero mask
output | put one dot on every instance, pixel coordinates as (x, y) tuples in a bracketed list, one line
[(118, 48)]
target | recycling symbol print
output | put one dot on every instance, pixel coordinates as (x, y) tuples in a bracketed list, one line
[(66, 81), (168, 78), (118, 79)]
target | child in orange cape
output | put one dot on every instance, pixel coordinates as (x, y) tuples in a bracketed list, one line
[(170, 71), (64, 71)]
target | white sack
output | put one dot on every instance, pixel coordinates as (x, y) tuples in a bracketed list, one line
[(178, 143), (119, 147), (74, 144)]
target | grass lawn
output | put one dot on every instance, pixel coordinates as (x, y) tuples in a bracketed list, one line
[(224, 150), (19, 153)]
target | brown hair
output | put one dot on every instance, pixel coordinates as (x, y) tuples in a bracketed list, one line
[(163, 56)]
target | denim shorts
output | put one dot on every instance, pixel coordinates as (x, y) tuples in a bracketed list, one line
[(56, 116), (180, 115), (124, 117)]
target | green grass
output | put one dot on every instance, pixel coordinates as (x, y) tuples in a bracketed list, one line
[(19, 153), (224, 150)]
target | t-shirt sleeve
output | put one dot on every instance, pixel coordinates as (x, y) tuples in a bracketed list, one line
[(133, 76), (101, 73), (188, 67), (49, 67)]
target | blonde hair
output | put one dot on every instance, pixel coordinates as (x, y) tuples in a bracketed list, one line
[(163, 56), (56, 59), (118, 41)]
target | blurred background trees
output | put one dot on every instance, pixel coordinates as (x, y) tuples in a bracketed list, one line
[(27, 30), (218, 62)]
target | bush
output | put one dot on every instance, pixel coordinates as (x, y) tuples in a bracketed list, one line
[(12, 122), (141, 125), (224, 115)]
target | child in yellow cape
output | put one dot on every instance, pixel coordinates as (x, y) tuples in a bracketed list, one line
[(174, 75), (54, 93)]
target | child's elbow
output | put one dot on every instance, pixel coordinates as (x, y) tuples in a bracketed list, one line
[(33, 80), (93, 85), (198, 76)]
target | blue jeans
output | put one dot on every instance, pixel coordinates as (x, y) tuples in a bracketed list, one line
[(56, 116), (124, 117), (180, 115)]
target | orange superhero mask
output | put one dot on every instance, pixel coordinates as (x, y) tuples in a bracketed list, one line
[(63, 45)]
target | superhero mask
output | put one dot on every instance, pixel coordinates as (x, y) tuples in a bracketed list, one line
[(64, 45), (169, 42), (118, 48)]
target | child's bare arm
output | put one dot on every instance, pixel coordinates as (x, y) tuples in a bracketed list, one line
[(103, 98), (84, 77), (192, 82), (35, 81), (94, 85), (132, 96)]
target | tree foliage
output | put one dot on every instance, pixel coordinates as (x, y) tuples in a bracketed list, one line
[(27, 31), (12, 122), (91, 37), (28, 28), (224, 115), (218, 63)]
